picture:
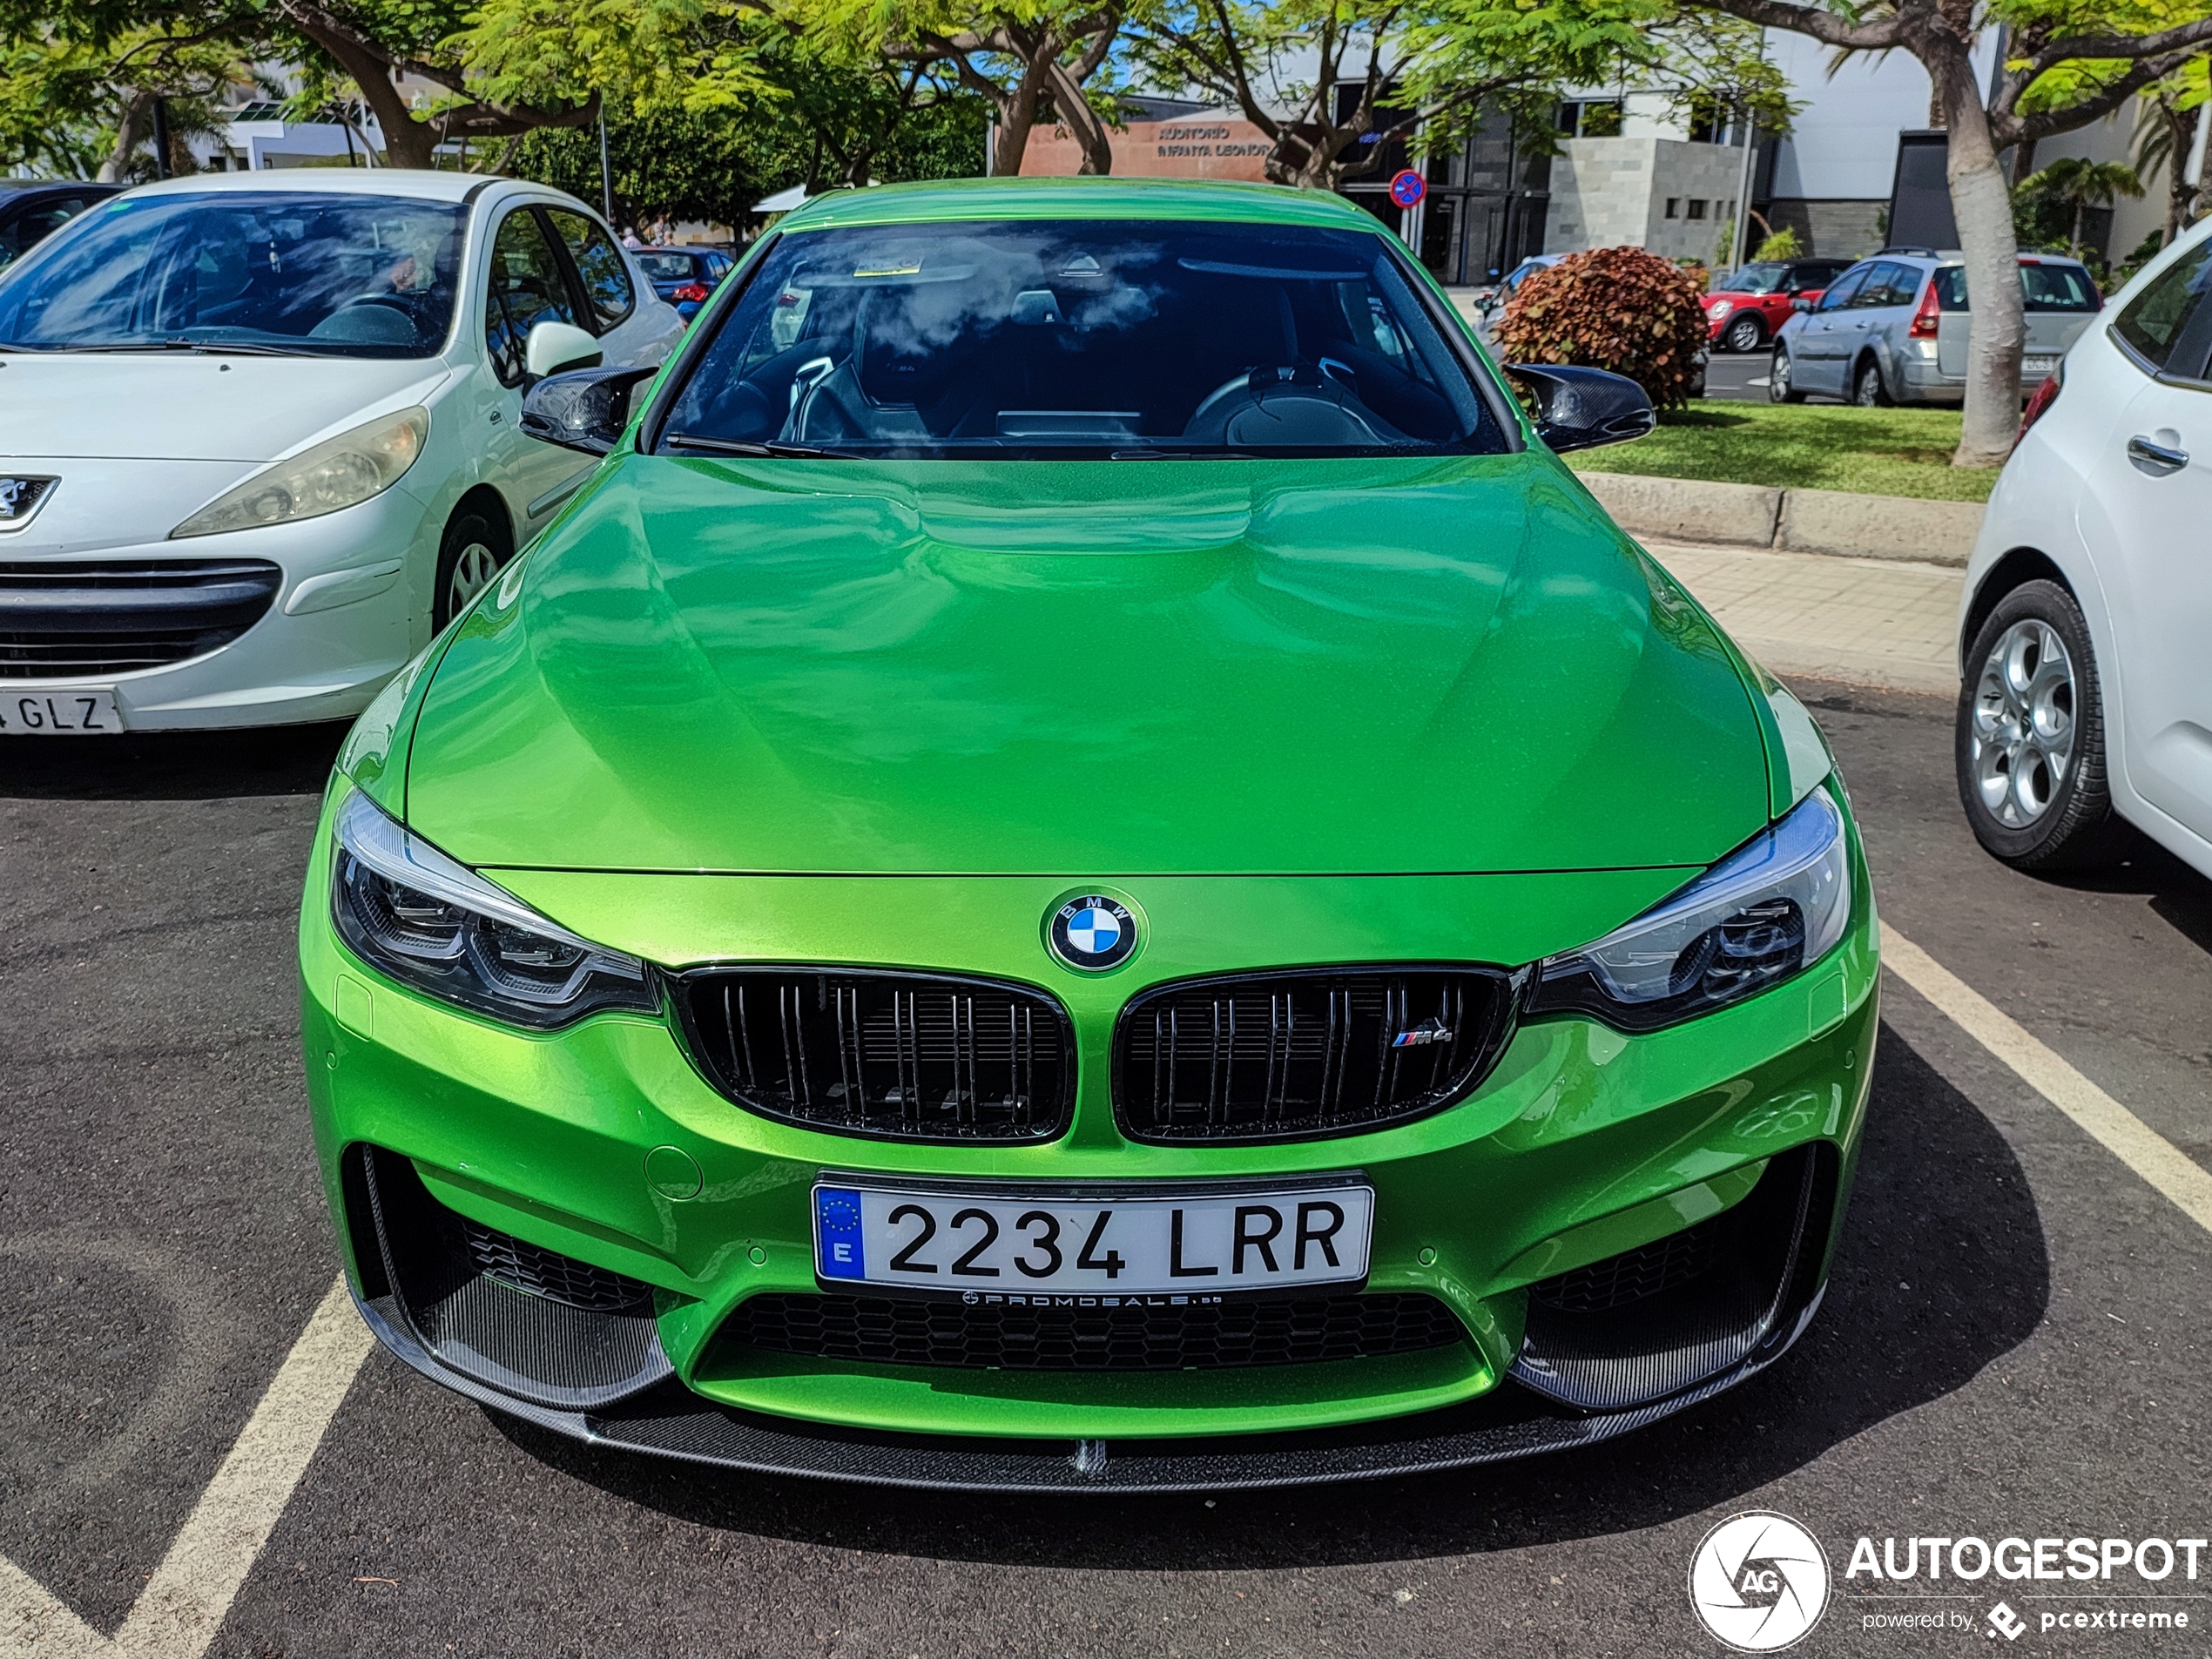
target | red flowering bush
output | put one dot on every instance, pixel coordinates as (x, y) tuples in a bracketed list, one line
[(1614, 308)]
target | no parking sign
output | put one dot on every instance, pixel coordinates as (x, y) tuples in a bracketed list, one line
[(1407, 187)]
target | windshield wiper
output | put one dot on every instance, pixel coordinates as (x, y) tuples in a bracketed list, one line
[(740, 446), (1180, 455), (223, 348)]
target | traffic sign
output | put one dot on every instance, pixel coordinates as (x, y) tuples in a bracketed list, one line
[(1408, 188)]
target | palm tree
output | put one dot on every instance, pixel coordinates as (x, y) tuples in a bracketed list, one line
[(2164, 129), (2082, 185)]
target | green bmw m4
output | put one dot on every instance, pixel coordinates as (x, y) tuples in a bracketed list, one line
[(1081, 865)]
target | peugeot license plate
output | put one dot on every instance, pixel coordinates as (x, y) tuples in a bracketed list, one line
[(1015, 1244), (58, 714)]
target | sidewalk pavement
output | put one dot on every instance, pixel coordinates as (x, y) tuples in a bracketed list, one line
[(1866, 621)]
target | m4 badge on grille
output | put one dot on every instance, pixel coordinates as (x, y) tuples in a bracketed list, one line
[(21, 498), (1429, 1030)]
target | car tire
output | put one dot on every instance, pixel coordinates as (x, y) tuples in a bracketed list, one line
[(1743, 334), (1866, 388), (1778, 386), (476, 545), (2029, 743)]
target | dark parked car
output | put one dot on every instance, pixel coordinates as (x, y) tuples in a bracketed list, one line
[(32, 209), (684, 276)]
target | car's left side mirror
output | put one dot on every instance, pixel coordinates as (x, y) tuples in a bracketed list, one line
[(585, 409), (1803, 302), (1580, 408), (555, 347)]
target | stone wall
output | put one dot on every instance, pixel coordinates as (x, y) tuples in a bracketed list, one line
[(1614, 193)]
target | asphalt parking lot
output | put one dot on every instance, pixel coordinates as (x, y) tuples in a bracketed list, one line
[(2014, 1343)]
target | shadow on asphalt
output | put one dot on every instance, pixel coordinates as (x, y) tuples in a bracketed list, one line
[(171, 765), (1942, 1269)]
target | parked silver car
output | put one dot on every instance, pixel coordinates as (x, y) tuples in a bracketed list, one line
[(1892, 329)]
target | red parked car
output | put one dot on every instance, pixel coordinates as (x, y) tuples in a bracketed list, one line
[(1749, 304)]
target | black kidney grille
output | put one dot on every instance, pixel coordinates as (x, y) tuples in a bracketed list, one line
[(1198, 1336), (76, 619), (1304, 1054), (908, 1057), (1635, 1274)]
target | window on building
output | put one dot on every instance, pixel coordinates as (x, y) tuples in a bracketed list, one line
[(1590, 118), (1697, 207), (1673, 207)]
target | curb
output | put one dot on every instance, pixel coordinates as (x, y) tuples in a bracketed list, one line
[(1794, 521)]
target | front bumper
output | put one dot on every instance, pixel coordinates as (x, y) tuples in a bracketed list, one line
[(350, 610), (1581, 1147)]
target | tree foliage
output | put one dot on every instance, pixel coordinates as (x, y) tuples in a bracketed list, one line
[(1334, 82)]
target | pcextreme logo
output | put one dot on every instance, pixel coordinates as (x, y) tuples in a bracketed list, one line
[(1759, 1582)]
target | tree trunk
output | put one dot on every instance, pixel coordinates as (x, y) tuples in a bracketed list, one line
[(1017, 113), (2180, 132), (138, 111), (1077, 116), (407, 142), (1983, 208)]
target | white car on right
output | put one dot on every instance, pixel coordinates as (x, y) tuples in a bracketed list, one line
[(2085, 629)]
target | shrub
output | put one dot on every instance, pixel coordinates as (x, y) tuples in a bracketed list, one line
[(1780, 245), (1614, 308)]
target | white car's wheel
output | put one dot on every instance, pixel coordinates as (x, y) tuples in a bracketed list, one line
[(2029, 742), (476, 545)]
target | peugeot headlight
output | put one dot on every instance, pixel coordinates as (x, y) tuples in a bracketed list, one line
[(1774, 906), (438, 925), (339, 472)]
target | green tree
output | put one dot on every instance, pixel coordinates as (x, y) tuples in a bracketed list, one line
[(2164, 131), (2076, 185), (2069, 63), (1027, 60), (1333, 82)]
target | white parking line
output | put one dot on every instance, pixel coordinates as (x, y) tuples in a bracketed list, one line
[(2141, 1148), (183, 1605)]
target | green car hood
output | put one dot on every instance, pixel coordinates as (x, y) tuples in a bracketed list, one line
[(1087, 668)]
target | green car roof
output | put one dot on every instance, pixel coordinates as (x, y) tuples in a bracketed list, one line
[(972, 199)]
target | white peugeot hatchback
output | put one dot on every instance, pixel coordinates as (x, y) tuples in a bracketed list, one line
[(260, 434), (2087, 620)]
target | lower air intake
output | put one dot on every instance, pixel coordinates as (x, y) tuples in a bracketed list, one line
[(1650, 1322), (895, 1056), (1142, 1334), (78, 618), (530, 1322), (1305, 1053)]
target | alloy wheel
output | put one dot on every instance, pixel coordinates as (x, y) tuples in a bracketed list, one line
[(1777, 377), (2024, 724), (1743, 335), (472, 573)]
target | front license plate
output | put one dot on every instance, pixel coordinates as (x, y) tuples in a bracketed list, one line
[(58, 714), (1177, 1244)]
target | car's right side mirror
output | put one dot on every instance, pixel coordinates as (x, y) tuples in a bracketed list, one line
[(553, 347), (1580, 408), (585, 409)]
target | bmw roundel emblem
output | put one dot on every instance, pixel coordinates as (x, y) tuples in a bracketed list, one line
[(1092, 932)]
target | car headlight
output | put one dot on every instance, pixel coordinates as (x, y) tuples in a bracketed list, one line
[(337, 473), (1721, 307), (438, 925), (1774, 906)]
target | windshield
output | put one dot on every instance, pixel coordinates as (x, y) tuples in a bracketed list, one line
[(665, 267), (1094, 338), (1752, 279), (350, 276)]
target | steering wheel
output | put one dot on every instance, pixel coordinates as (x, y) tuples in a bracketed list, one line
[(1296, 407)]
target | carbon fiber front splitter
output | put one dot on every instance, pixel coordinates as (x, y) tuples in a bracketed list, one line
[(669, 1420)]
